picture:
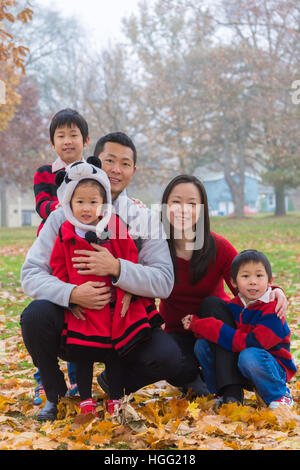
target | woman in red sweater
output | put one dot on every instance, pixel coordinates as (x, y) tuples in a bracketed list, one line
[(202, 262)]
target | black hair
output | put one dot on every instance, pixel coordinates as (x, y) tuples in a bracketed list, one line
[(204, 255), (118, 138), (68, 117), (96, 184), (248, 256)]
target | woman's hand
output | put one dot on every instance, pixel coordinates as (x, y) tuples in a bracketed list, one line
[(281, 307)]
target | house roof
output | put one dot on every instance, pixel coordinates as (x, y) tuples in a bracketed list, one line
[(207, 174)]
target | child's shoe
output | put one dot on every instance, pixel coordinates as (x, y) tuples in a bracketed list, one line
[(287, 400), (72, 391), (113, 407), (88, 406), (38, 393)]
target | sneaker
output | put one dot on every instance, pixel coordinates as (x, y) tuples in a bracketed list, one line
[(197, 387), (72, 391), (113, 407), (48, 412), (285, 400), (88, 406), (38, 393), (229, 399)]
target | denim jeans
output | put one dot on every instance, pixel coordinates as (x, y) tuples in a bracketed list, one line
[(256, 365)]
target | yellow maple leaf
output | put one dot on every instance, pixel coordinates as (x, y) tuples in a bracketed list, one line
[(193, 409)]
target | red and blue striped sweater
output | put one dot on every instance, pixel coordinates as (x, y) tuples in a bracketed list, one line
[(257, 325)]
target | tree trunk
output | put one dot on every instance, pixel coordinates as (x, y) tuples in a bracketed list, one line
[(3, 206), (236, 184), (279, 201)]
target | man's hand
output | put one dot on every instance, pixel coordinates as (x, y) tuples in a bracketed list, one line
[(186, 321), (99, 263), (281, 307), (91, 295)]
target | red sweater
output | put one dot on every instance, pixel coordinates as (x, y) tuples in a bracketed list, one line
[(104, 328), (185, 298), (45, 192)]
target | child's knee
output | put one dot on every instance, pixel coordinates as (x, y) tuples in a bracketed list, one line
[(248, 360)]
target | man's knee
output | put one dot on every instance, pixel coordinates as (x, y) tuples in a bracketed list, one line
[(32, 311), (163, 355), (41, 314)]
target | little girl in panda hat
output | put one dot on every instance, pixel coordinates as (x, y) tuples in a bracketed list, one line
[(106, 335)]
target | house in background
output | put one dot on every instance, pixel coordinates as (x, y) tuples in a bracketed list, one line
[(219, 195), (17, 208), (267, 200)]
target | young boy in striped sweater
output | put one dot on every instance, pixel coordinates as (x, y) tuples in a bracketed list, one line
[(69, 135), (261, 338)]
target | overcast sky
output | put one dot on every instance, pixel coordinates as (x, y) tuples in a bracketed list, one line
[(101, 17)]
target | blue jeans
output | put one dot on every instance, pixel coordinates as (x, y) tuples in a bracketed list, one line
[(256, 365)]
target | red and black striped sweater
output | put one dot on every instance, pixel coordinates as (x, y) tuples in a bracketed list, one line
[(45, 192), (104, 328)]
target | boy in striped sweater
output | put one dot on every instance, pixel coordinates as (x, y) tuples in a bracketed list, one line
[(261, 338), (69, 135)]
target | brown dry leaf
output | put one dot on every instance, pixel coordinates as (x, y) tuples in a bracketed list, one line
[(131, 418), (158, 438), (213, 443), (67, 407), (178, 408), (150, 412), (5, 403), (287, 418)]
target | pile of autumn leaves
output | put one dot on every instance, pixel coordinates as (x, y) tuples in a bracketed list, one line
[(156, 417)]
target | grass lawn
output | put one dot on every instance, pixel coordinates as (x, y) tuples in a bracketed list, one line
[(166, 424)]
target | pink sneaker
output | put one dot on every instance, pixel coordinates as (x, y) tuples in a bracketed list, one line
[(113, 406), (285, 400), (88, 406)]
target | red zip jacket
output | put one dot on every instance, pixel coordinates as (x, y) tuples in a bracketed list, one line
[(104, 328)]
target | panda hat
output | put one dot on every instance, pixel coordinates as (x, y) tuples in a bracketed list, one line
[(67, 180)]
